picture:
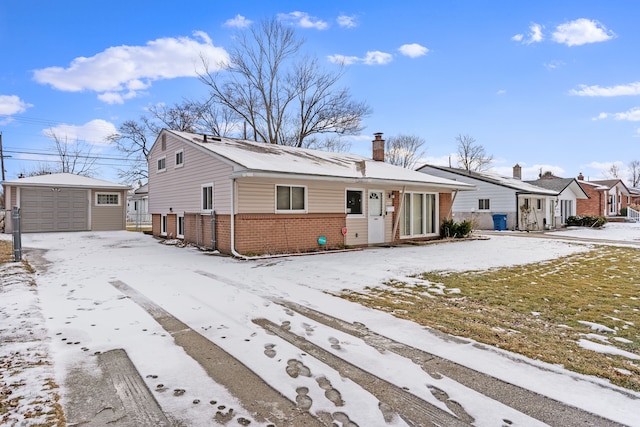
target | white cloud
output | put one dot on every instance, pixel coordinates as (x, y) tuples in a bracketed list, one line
[(619, 90), (581, 31), (552, 65), (377, 58), (632, 115), (501, 92), (347, 21), (343, 60), (121, 72), (413, 50), (371, 58), (94, 132), (238, 21), (534, 36), (303, 20), (12, 104), (603, 169)]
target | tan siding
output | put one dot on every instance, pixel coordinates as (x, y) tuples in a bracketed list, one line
[(357, 229), (108, 217), (180, 188), (258, 195)]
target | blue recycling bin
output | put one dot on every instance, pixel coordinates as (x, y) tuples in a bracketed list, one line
[(499, 222)]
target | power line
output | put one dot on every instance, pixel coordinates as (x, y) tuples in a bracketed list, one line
[(36, 152)]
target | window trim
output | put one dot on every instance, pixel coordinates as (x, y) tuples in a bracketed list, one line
[(291, 211), (164, 160), (202, 207), (163, 224), (486, 206), (425, 214), (181, 164), (108, 193), (362, 204), (179, 221)]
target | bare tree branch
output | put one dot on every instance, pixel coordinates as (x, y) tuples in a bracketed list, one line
[(404, 150), (471, 156), (283, 97), (73, 157), (634, 172)]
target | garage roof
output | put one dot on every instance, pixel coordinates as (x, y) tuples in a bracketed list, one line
[(66, 180)]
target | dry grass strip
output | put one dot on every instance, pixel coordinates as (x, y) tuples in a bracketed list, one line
[(535, 310)]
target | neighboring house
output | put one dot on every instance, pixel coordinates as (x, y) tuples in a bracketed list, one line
[(245, 197), (138, 207), (527, 207), (606, 197), (65, 202), (569, 192)]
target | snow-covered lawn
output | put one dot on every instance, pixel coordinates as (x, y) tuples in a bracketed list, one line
[(218, 297)]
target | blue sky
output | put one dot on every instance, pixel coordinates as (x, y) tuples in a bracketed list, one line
[(549, 85)]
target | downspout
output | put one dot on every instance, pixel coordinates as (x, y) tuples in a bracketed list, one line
[(517, 212), (233, 221), (395, 226)]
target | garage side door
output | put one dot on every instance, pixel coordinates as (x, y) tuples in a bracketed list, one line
[(49, 209)]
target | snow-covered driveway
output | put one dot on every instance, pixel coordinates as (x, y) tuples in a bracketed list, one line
[(119, 290)]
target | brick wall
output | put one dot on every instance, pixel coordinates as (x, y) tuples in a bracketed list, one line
[(591, 206), (271, 233), (198, 229), (156, 224), (445, 201), (172, 226)]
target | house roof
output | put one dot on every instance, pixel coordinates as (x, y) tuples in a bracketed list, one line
[(503, 181), (610, 183), (250, 158), (560, 184), (65, 180)]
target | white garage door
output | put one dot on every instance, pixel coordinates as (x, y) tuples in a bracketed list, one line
[(54, 209)]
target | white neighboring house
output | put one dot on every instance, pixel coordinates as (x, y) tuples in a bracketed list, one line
[(138, 216), (569, 192), (527, 207)]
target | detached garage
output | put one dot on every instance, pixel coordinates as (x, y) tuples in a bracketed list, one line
[(66, 202)]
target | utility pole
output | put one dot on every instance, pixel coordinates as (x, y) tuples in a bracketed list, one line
[(1, 157)]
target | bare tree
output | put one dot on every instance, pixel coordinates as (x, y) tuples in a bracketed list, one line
[(282, 96), (134, 140), (613, 171), (73, 157), (472, 156), (634, 173), (404, 150)]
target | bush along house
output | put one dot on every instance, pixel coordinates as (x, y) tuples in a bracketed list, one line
[(247, 198)]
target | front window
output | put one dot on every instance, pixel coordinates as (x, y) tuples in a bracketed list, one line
[(354, 202), (484, 205), (179, 159), (107, 199), (290, 198), (207, 197), (418, 216), (162, 164)]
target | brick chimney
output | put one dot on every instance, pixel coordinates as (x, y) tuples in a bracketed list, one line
[(517, 171), (378, 147), (580, 177)]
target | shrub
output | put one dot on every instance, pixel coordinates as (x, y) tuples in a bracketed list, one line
[(456, 230), (623, 212), (587, 221)]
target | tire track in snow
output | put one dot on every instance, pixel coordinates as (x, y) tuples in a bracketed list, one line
[(545, 409)]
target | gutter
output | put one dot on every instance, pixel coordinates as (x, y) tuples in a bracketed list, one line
[(353, 180)]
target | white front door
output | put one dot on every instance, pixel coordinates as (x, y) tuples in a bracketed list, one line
[(376, 217)]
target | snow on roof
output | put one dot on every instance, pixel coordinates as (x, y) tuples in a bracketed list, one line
[(65, 180), (254, 158), (494, 178), (560, 184)]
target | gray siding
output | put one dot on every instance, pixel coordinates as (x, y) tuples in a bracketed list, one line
[(108, 217), (180, 188)]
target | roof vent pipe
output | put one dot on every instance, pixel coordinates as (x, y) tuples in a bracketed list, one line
[(204, 137)]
